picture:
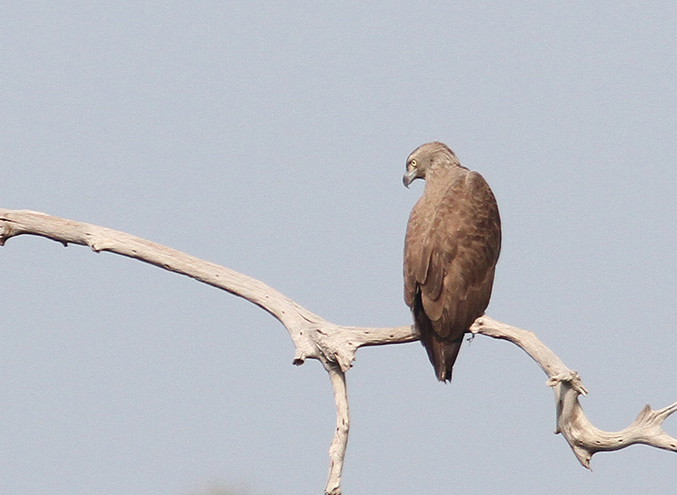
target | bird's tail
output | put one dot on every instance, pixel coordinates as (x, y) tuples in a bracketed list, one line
[(442, 352)]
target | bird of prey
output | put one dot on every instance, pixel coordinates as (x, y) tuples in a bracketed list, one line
[(450, 251)]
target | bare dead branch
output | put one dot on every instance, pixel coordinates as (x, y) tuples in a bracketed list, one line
[(583, 438), (337, 450), (335, 346)]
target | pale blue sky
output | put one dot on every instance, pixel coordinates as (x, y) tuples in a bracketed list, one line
[(271, 137)]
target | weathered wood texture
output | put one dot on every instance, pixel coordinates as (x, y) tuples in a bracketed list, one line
[(335, 345)]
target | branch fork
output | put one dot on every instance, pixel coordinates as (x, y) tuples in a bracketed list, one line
[(335, 346)]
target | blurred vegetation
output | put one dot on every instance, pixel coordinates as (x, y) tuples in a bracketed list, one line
[(216, 488)]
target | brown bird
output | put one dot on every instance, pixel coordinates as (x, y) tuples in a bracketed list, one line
[(450, 251)]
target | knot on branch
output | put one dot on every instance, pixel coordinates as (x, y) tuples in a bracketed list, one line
[(569, 378), (336, 347), (316, 338), (6, 230), (97, 241)]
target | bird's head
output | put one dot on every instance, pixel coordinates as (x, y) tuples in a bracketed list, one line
[(426, 157)]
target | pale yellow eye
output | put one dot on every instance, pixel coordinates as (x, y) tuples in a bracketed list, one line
[(413, 163)]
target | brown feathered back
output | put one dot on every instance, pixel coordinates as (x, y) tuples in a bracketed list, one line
[(451, 249)]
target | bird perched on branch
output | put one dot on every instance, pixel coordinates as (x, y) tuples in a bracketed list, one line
[(450, 252)]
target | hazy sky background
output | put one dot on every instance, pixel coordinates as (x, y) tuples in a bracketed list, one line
[(271, 137)]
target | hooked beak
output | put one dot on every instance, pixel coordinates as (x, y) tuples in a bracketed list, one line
[(408, 178)]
